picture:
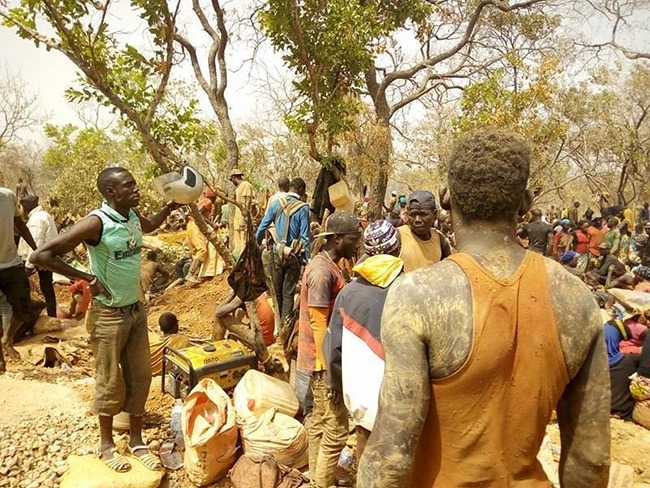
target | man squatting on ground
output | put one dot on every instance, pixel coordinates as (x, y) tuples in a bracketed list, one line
[(116, 320), (475, 359)]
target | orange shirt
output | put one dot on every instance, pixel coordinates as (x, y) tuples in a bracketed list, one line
[(486, 422), (597, 236)]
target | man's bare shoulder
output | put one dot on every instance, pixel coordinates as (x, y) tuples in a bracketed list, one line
[(436, 303), (430, 290), (577, 315), (437, 277)]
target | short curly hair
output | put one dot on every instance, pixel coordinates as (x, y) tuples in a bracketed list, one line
[(488, 174)]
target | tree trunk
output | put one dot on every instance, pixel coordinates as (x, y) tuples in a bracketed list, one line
[(227, 132), (379, 183), (377, 191)]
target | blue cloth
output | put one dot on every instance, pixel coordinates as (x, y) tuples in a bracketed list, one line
[(612, 339), (298, 223)]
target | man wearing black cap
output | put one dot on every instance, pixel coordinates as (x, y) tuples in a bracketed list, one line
[(322, 281), (43, 228), (421, 244)]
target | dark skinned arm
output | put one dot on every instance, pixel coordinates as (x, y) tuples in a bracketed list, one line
[(404, 400), (149, 224), (583, 417), (229, 307), (248, 201), (163, 272), (23, 231), (49, 255), (550, 239)]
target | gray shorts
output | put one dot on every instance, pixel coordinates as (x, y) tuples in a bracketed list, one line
[(120, 344)]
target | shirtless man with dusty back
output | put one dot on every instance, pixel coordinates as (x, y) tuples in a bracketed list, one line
[(481, 347)]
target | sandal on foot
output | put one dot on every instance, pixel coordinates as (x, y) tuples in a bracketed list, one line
[(118, 462), (148, 460)]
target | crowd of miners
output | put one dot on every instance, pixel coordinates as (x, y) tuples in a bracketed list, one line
[(440, 333)]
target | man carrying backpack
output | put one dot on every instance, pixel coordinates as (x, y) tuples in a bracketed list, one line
[(288, 243)]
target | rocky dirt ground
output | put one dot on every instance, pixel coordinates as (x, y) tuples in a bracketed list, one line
[(45, 411)]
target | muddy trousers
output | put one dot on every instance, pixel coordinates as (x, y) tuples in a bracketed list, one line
[(328, 432), (120, 345)]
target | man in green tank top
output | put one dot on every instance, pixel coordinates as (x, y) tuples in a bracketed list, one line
[(116, 320)]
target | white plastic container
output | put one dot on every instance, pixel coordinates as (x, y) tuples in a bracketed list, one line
[(121, 422), (339, 195), (258, 392)]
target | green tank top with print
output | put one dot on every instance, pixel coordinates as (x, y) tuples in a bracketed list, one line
[(115, 260)]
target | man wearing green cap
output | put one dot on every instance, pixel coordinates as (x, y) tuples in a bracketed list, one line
[(322, 281)]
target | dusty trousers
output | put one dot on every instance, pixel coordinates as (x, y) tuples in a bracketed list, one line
[(285, 280), (328, 432), (47, 289)]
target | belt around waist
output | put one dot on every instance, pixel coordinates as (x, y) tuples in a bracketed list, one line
[(124, 308)]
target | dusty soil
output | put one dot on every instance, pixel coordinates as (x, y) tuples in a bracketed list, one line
[(193, 305), (46, 410), (20, 398)]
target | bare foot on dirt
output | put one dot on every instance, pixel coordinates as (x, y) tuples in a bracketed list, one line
[(10, 352)]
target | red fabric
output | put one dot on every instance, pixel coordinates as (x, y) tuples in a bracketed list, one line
[(362, 333), (81, 287), (582, 242), (206, 204), (322, 282), (267, 318)]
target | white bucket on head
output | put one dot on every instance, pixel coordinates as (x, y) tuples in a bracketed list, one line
[(258, 392)]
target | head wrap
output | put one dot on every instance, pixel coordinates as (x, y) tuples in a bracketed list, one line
[(568, 256), (381, 237), (642, 272)]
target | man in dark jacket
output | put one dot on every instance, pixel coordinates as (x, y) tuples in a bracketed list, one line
[(352, 346)]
